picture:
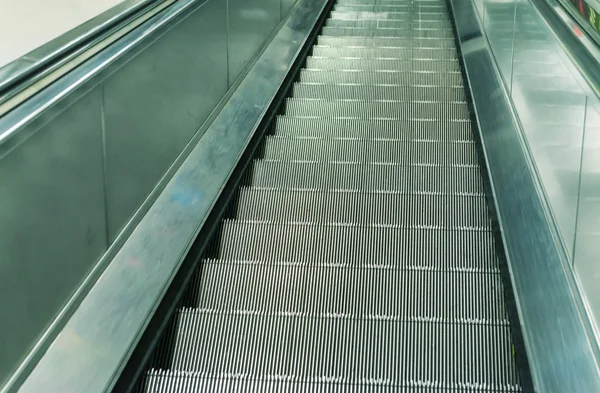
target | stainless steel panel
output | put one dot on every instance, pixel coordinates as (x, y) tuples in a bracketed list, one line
[(96, 341), (587, 241), (157, 101), (547, 98), (560, 348), (52, 220), (250, 23), (286, 5)]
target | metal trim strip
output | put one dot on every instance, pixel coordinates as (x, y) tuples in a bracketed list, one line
[(559, 348)]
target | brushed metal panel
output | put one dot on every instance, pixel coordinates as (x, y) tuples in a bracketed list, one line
[(547, 98), (156, 102), (587, 241), (52, 221), (499, 24), (250, 23), (286, 5)]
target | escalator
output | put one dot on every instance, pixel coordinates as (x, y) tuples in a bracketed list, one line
[(359, 253)]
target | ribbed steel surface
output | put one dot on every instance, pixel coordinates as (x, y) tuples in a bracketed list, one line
[(359, 254)]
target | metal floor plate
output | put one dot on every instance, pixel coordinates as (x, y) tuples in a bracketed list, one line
[(359, 254)]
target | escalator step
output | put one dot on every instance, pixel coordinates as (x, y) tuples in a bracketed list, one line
[(452, 180), (438, 4), (173, 382), (387, 16), (356, 246), (363, 208), (394, 351), (330, 288), (388, 42), (354, 13), (425, 13), (390, 24), (384, 53), (377, 109), (379, 93), (364, 151), (398, 65), (381, 78), (402, 33)]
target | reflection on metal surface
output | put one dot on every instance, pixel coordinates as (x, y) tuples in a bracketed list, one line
[(587, 240), (581, 55), (169, 89), (553, 75), (250, 23), (559, 347), (286, 5), (88, 353), (52, 222), (548, 101)]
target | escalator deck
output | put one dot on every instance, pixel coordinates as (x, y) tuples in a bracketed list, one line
[(360, 256)]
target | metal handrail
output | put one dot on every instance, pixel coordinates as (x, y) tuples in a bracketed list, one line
[(24, 76)]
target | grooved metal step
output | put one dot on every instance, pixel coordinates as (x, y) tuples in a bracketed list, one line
[(363, 208), (391, 16), (383, 24), (381, 78), (406, 130), (377, 109), (389, 42), (386, 13), (384, 53), (439, 5), (469, 348), (425, 13), (358, 254), (321, 289), (402, 65), (378, 93), (162, 382), (452, 180), (430, 3), (370, 32), (366, 151), (356, 246)]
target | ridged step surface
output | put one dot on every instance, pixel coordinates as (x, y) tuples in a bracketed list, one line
[(374, 32), (355, 246), (401, 130), (426, 179), (384, 53), (363, 208), (421, 13), (388, 42), (351, 64), (371, 151), (361, 77), (377, 109), (347, 92), (358, 255), (391, 25)]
